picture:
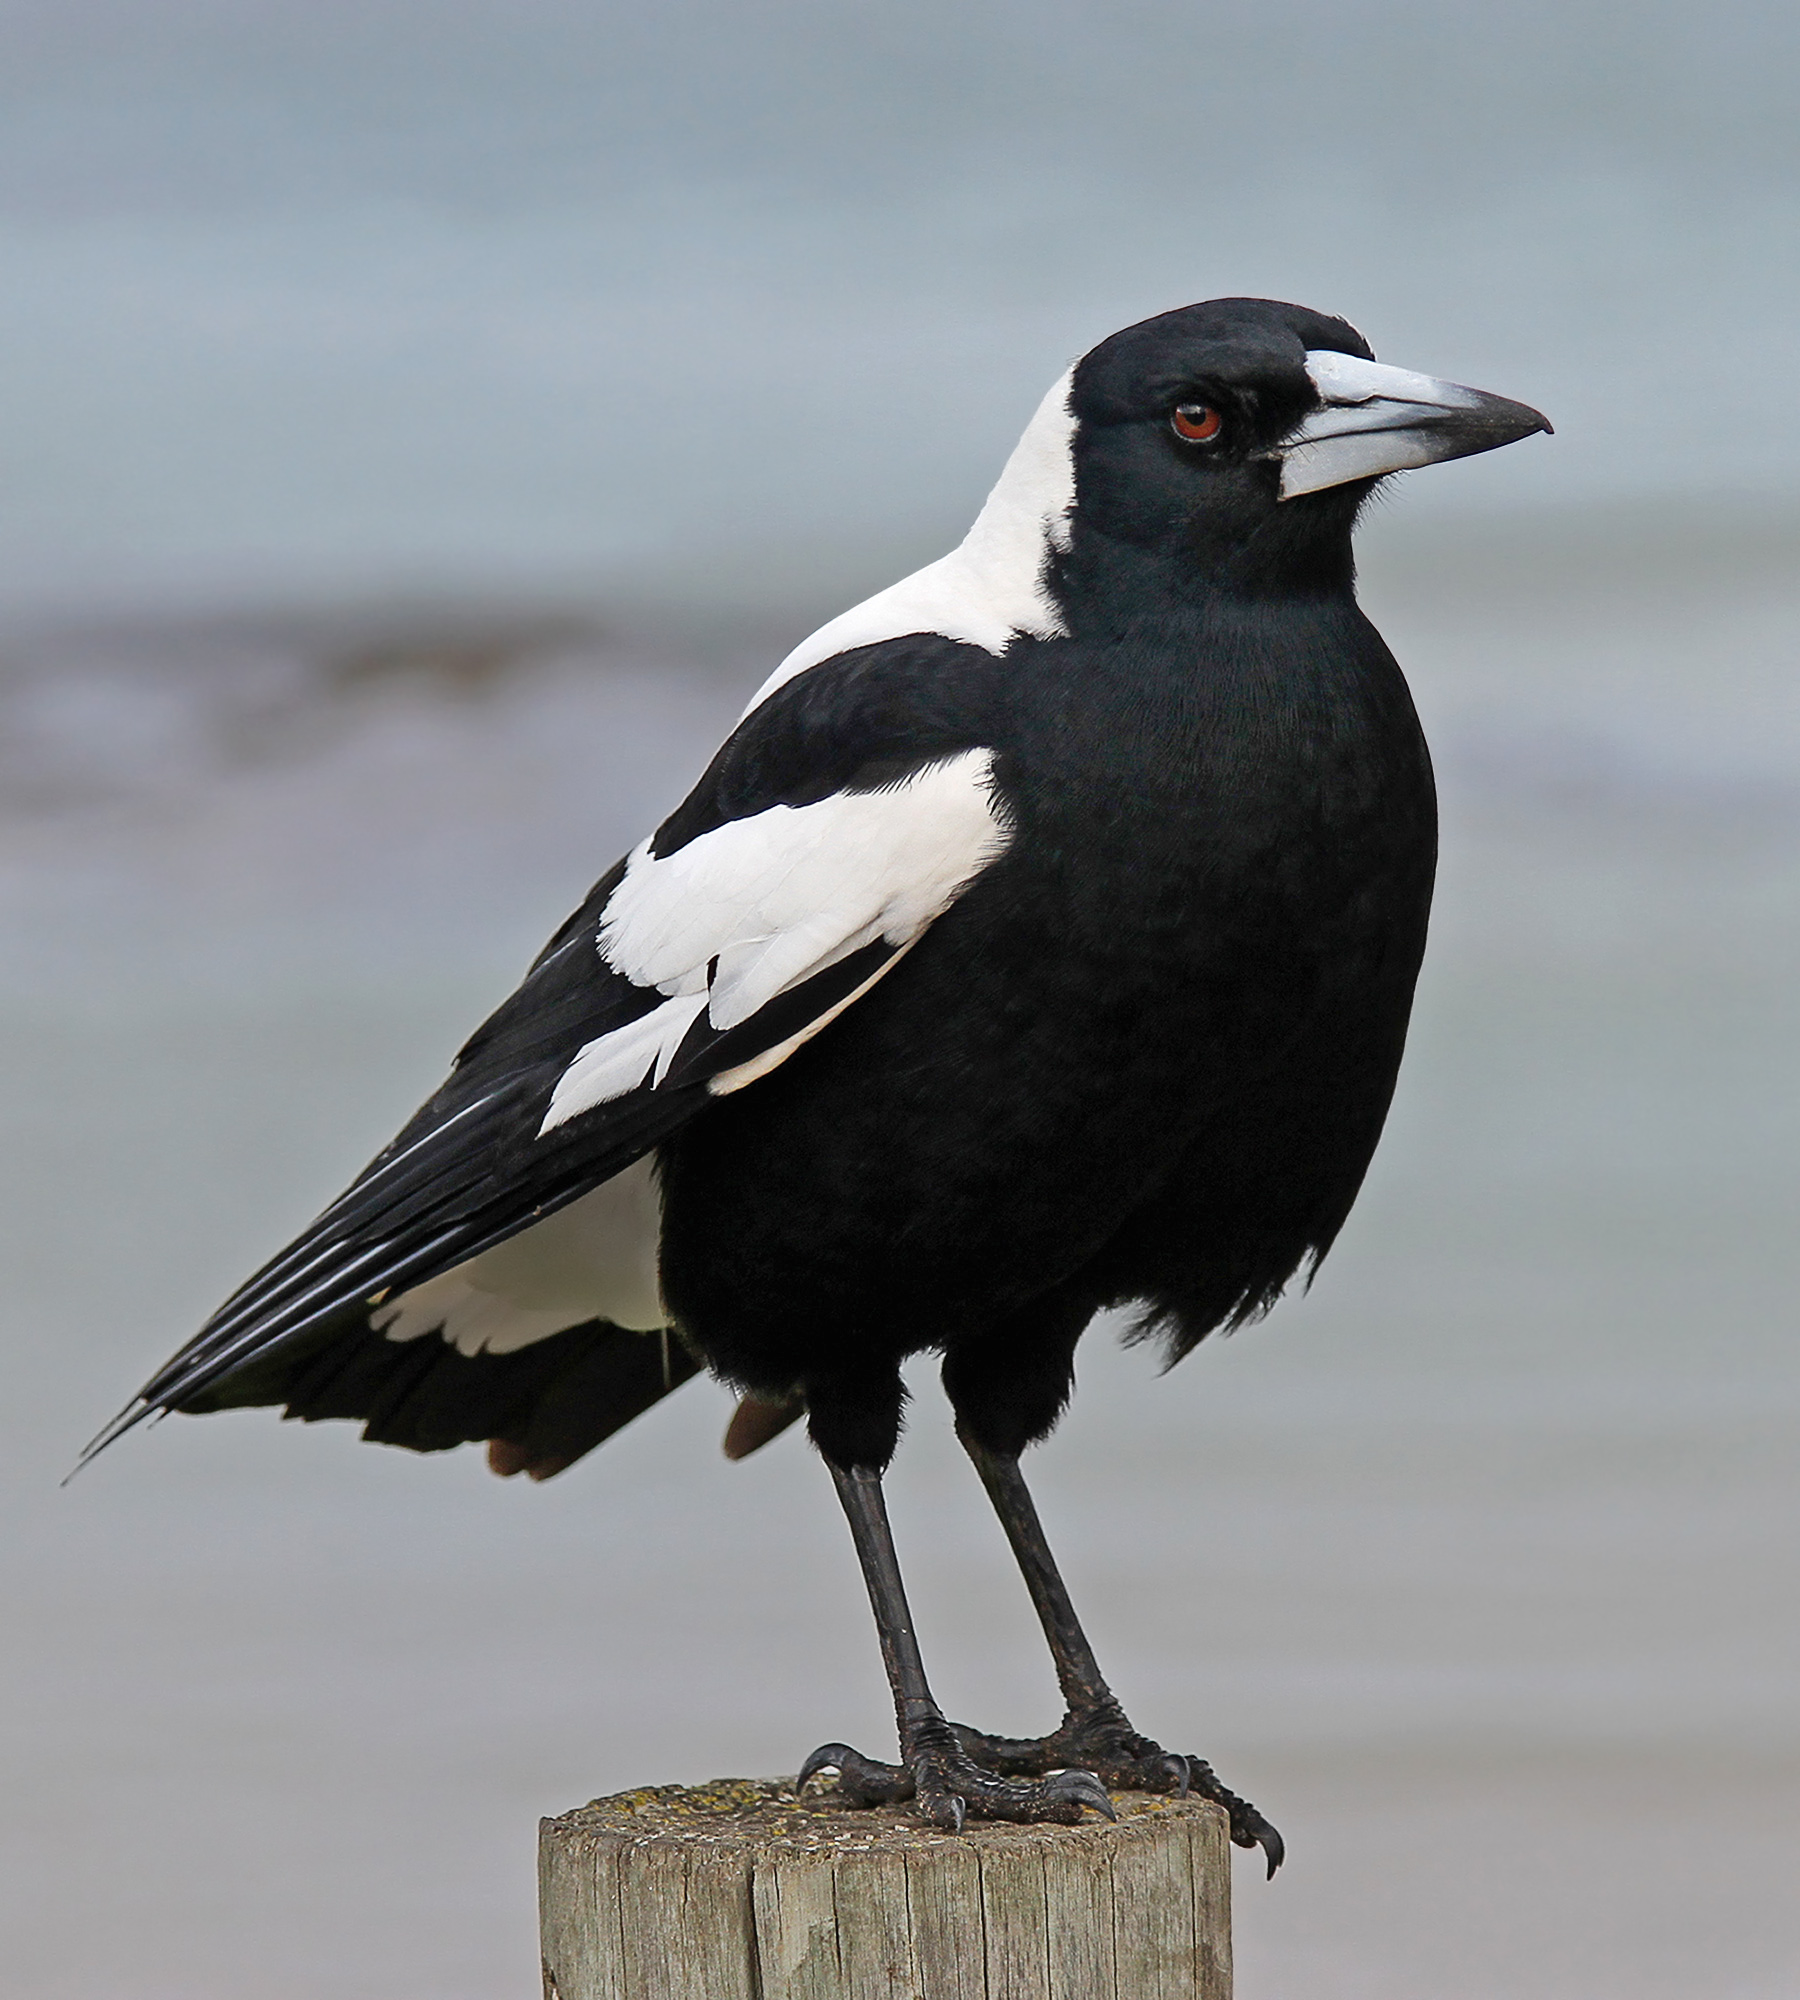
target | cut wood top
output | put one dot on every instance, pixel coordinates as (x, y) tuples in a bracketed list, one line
[(762, 1813), (742, 1890)]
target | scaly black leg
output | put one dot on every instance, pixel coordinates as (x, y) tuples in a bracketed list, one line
[(1095, 1733), (934, 1769)]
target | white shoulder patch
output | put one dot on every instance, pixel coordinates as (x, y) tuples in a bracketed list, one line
[(743, 913), (990, 588)]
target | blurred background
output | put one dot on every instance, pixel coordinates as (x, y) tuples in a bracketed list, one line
[(421, 424)]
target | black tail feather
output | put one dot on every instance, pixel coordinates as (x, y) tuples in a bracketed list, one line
[(551, 1402)]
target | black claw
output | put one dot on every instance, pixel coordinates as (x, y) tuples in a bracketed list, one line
[(828, 1757), (1081, 1788), (1248, 1827), (1181, 1774)]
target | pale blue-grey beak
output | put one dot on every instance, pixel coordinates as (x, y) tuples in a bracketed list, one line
[(1373, 419)]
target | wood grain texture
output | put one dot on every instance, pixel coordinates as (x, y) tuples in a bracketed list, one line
[(739, 1890)]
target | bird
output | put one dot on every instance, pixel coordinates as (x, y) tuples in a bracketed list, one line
[(1039, 944)]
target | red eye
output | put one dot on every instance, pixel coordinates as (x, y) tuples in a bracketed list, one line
[(1199, 423)]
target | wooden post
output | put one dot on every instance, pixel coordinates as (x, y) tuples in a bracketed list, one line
[(739, 1890)]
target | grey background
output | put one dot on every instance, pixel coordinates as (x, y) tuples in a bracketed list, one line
[(419, 428)]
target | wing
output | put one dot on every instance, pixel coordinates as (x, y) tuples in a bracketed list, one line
[(846, 812)]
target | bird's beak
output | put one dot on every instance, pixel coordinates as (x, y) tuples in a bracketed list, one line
[(1374, 419)]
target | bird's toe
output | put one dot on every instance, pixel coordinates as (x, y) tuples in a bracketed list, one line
[(862, 1780), (1061, 1799), (1248, 1826), (948, 1787)]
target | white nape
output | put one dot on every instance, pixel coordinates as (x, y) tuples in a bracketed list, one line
[(755, 907), (991, 587), (594, 1259)]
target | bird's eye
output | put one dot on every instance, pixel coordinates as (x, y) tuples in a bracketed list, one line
[(1199, 423)]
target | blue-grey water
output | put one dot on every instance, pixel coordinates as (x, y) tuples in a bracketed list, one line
[(419, 428)]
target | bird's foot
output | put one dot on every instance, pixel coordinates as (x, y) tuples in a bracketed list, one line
[(946, 1785), (1101, 1740)]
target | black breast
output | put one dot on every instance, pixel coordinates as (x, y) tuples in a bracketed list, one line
[(1243, 832), (1149, 1051)]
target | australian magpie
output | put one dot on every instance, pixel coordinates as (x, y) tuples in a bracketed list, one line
[(1041, 941)]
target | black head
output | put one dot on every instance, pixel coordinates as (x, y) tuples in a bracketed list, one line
[(1222, 445), (1222, 448)]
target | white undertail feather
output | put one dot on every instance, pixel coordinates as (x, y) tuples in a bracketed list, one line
[(759, 905), (595, 1259), (991, 586)]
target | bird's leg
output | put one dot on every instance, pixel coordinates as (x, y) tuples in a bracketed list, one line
[(1095, 1733), (934, 1769)]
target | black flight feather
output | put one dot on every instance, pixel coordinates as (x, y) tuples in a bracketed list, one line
[(470, 1169)]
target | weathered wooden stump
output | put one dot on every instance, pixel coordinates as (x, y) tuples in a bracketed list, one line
[(739, 1890)]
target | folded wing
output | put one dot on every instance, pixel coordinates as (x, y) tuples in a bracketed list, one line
[(846, 812)]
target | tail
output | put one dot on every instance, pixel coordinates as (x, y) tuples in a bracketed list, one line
[(539, 1408)]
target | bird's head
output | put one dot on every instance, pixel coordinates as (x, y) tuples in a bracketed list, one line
[(1222, 447), (1235, 441)]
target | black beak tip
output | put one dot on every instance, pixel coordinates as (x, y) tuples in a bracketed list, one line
[(1496, 420), (1530, 421)]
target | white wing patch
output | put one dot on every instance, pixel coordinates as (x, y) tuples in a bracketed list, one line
[(594, 1259), (743, 913), (619, 1062), (729, 1080), (991, 587)]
